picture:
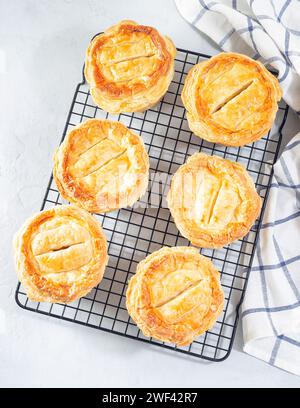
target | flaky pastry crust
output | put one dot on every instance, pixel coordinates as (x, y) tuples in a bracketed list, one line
[(213, 201), (102, 166), (175, 295), (60, 254), (230, 99), (129, 67)]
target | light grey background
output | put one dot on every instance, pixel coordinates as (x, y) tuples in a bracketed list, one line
[(42, 47)]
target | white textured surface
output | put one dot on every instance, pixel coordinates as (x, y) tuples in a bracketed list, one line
[(42, 45)]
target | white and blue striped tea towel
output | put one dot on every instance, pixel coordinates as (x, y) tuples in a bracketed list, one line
[(268, 30), (271, 309)]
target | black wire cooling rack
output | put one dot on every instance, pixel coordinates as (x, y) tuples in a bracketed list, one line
[(133, 233)]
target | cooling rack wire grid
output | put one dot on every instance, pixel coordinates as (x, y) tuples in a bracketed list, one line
[(133, 233)]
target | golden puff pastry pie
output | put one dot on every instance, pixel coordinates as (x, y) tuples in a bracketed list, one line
[(102, 166), (60, 254), (230, 99), (213, 201), (175, 295), (129, 67)]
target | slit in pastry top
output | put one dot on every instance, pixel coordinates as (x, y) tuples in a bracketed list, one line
[(67, 247), (178, 286), (125, 58), (230, 97)]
